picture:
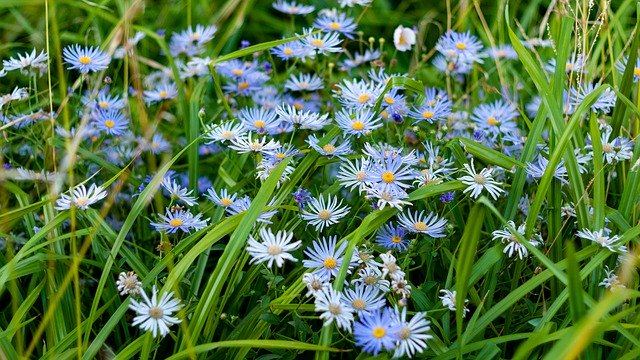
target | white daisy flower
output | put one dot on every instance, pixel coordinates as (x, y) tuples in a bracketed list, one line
[(81, 197), (353, 175), (364, 299), (248, 144), (449, 300), (372, 277), (413, 334), (329, 303), (153, 315), (390, 267), (514, 246), (323, 214), (603, 238), (418, 223), (128, 283), (228, 131), (404, 38), (273, 248), (177, 192), (315, 284), (224, 199), (611, 279), (325, 258), (477, 182)]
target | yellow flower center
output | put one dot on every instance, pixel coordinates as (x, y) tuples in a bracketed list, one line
[(109, 123), (280, 155), (237, 72), (357, 125), (405, 333), (298, 106), (85, 60), (335, 309), (427, 114), (163, 94), (461, 46), (243, 85), (607, 148), (255, 146), (324, 214), (317, 42), (334, 26), (420, 226), (228, 135), (378, 332), (479, 179), (370, 280), (103, 104), (329, 149), (274, 250), (396, 239), (361, 175), (287, 51), (384, 114), (176, 222), (568, 67), (226, 201), (363, 98), (636, 71), (330, 263), (388, 177), (492, 121), (82, 201), (156, 312), (259, 124), (389, 100), (358, 304)]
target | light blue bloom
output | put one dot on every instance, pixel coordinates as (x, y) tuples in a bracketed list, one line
[(87, 59), (376, 332)]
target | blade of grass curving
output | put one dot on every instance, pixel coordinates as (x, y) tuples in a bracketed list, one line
[(136, 209), (562, 147), (16, 321), (464, 262), (254, 343), (488, 155), (208, 305), (192, 130), (599, 201), (576, 298)]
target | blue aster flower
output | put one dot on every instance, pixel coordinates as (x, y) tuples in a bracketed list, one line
[(290, 50), (292, 8), (377, 331), (87, 59), (112, 122), (503, 51), (301, 197), (258, 119), (392, 238), (163, 91), (622, 65), (321, 43), (304, 82), (604, 103), (461, 46), (359, 59), (339, 23), (357, 123), (495, 118)]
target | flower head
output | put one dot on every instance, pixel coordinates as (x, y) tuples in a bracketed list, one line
[(155, 315), (478, 181), (321, 213), (376, 331), (86, 60), (81, 198), (404, 38), (128, 283), (272, 248)]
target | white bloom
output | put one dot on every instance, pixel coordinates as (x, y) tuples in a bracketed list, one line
[(323, 214), (611, 279), (389, 267), (153, 315), (329, 303), (603, 238), (178, 192), (315, 284), (81, 197), (272, 248), (404, 38), (514, 245), (477, 182), (128, 283), (224, 132), (449, 300), (258, 145), (413, 334)]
